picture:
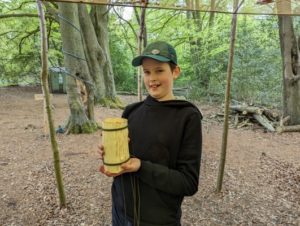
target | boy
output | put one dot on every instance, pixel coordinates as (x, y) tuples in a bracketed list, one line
[(165, 146)]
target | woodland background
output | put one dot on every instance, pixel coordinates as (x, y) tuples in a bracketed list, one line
[(261, 182), (257, 63)]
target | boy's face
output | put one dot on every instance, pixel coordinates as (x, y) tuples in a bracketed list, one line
[(158, 79)]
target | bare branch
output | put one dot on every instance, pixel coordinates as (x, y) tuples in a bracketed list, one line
[(26, 37), (130, 25), (7, 32), (136, 13), (4, 16), (15, 15), (21, 5), (132, 48), (166, 22)]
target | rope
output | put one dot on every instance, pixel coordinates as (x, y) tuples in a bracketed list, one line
[(114, 129), (115, 164), (74, 55), (64, 71)]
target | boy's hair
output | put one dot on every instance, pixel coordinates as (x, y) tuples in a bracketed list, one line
[(172, 66)]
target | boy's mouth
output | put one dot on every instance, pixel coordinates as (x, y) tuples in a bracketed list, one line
[(154, 85)]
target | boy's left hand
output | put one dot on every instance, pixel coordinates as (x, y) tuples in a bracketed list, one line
[(132, 165)]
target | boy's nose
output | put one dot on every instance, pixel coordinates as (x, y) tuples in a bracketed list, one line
[(152, 76)]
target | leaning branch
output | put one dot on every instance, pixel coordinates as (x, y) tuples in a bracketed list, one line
[(16, 15), (4, 16)]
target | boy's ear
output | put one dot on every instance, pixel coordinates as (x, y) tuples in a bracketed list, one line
[(176, 72)]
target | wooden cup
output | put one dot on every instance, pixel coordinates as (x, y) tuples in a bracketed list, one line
[(115, 143)]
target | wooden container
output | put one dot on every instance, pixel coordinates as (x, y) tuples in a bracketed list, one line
[(115, 143)]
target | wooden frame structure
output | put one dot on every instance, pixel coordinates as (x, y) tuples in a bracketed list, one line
[(256, 7), (234, 7)]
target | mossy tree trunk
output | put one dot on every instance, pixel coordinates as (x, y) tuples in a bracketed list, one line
[(93, 52), (76, 65), (92, 46), (99, 17)]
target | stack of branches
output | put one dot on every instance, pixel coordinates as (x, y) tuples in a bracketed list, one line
[(245, 115)]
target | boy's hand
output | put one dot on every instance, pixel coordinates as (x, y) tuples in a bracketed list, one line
[(100, 151), (132, 165)]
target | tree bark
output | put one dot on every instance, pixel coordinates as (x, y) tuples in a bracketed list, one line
[(212, 13), (195, 26), (93, 52), (76, 65), (290, 60), (99, 17)]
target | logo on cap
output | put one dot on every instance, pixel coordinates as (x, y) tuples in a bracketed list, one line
[(155, 51)]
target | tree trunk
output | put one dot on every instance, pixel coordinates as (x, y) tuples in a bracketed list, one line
[(194, 23), (212, 13), (291, 73), (99, 17), (76, 65), (93, 52)]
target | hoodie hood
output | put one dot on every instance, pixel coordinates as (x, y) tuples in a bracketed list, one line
[(150, 101)]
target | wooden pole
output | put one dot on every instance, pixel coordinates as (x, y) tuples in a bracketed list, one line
[(227, 98), (39, 97), (45, 86)]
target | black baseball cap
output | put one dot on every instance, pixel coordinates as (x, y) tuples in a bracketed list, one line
[(161, 51)]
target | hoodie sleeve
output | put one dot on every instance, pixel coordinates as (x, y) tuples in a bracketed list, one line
[(183, 180)]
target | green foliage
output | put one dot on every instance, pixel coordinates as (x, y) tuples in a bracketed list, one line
[(125, 75), (257, 62), (18, 40), (257, 68), (213, 50)]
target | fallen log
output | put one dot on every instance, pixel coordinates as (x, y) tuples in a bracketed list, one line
[(264, 122), (294, 128), (246, 109)]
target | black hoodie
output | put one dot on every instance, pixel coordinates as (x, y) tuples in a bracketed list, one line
[(167, 137)]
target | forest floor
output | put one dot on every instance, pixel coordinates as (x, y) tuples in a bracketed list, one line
[(261, 182)]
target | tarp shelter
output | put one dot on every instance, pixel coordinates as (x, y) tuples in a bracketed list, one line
[(259, 7), (57, 80)]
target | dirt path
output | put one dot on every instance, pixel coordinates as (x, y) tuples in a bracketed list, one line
[(261, 184)]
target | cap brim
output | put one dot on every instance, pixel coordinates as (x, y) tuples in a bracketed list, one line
[(139, 60)]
